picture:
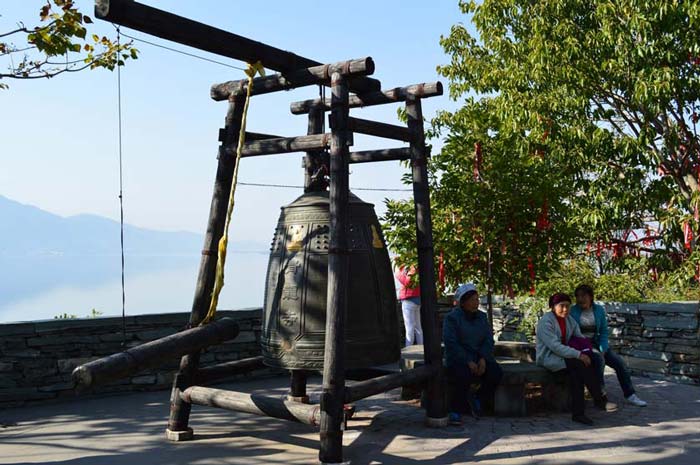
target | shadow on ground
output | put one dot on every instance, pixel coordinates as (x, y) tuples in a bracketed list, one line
[(129, 430)]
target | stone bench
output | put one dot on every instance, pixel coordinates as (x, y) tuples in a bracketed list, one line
[(524, 388)]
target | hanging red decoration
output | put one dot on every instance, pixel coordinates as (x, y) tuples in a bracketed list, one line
[(531, 270), (441, 270), (543, 223), (687, 235)]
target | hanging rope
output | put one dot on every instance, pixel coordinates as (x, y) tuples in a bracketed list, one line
[(121, 190), (251, 72)]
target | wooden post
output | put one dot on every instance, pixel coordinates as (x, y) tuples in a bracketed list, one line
[(313, 158), (297, 391), (436, 409), (178, 429), (333, 393)]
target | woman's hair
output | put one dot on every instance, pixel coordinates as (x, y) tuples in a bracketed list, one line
[(585, 288), (558, 298)]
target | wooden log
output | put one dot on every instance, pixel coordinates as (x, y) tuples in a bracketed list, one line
[(204, 37), (370, 387), (436, 409), (253, 403), (333, 393), (281, 145), (154, 353), (375, 128), (226, 369), (367, 156), (293, 79), (249, 136), (179, 410), (397, 94)]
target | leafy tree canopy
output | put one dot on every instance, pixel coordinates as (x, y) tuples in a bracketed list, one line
[(60, 44)]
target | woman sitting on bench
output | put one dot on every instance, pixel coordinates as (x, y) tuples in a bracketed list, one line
[(557, 331), (469, 354)]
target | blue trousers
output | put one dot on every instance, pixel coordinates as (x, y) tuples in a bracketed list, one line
[(615, 362)]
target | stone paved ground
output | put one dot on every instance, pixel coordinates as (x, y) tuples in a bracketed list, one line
[(128, 430)]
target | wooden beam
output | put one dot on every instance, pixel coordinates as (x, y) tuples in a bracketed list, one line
[(370, 387), (282, 145), (397, 94), (154, 353), (253, 403), (375, 128), (367, 156), (299, 78), (185, 31), (226, 369)]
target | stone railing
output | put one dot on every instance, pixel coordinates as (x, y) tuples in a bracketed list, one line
[(37, 358)]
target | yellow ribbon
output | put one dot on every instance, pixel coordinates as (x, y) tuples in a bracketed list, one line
[(251, 72)]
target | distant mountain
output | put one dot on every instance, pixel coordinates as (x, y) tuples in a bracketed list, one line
[(26, 230)]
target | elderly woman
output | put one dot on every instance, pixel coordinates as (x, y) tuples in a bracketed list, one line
[(556, 333), (469, 354), (593, 322)]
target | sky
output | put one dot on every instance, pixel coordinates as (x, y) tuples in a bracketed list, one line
[(59, 137)]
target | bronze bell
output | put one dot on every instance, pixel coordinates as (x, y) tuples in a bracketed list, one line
[(294, 314)]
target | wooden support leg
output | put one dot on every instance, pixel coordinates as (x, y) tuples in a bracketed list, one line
[(178, 429), (333, 393), (436, 408), (297, 392)]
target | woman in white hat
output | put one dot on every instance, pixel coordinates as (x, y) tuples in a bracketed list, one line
[(469, 354)]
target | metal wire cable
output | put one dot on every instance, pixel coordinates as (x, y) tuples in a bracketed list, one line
[(193, 55), (121, 188)]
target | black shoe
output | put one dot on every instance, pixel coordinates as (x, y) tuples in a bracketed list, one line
[(582, 419)]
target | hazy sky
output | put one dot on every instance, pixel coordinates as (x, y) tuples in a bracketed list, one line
[(58, 137)]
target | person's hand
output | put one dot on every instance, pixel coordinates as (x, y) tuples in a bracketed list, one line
[(585, 359), (481, 367), (474, 368)]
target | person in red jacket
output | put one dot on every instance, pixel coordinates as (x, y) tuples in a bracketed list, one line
[(409, 295)]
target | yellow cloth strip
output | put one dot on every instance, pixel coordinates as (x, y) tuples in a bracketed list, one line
[(251, 71)]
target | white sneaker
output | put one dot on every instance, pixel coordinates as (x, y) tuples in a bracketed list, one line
[(635, 400)]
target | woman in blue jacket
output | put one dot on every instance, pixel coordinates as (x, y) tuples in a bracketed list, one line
[(593, 322), (469, 354)]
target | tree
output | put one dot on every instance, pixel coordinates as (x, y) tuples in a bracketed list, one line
[(60, 45), (605, 93)]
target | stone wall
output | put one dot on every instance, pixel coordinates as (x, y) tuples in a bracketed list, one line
[(657, 340), (37, 358)]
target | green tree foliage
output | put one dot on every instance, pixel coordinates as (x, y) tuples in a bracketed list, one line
[(586, 115), (59, 45)]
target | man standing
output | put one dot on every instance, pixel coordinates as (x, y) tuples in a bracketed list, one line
[(469, 354)]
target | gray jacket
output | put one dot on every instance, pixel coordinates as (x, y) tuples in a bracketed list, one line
[(550, 351)]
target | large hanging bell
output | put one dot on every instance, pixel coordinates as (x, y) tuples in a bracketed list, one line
[(294, 315)]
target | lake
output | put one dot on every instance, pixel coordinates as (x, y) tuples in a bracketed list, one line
[(42, 287)]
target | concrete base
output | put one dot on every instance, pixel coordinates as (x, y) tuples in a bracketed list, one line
[(179, 436), (436, 422), (300, 399)]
